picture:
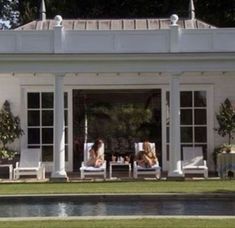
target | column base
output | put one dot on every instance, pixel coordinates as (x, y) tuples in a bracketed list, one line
[(176, 175), (179, 178), (59, 177)]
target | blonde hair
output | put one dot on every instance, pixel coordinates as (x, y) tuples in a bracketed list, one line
[(147, 148)]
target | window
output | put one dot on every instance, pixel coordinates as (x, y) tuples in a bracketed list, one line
[(193, 119), (40, 123)]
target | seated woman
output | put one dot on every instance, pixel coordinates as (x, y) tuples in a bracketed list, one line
[(96, 156), (146, 158)]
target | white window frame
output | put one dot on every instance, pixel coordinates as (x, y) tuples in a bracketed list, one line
[(47, 89)]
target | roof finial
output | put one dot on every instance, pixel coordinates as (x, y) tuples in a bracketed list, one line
[(191, 10), (174, 19), (58, 21), (42, 11)]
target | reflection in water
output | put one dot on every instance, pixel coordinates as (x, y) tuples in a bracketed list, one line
[(64, 208), (91, 209), (178, 207)]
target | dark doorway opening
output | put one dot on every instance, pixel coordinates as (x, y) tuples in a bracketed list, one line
[(119, 117)]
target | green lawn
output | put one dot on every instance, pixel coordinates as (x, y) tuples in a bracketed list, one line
[(137, 223), (119, 187)]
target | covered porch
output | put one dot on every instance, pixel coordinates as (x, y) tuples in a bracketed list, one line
[(173, 60)]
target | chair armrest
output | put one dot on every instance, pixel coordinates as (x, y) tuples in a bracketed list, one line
[(17, 165), (134, 164), (104, 164), (205, 163), (83, 164)]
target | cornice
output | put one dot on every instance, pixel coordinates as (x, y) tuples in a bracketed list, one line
[(118, 57)]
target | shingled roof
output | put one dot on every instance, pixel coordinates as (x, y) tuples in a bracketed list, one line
[(115, 24)]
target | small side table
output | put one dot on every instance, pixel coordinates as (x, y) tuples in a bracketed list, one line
[(225, 163), (111, 164), (10, 166)]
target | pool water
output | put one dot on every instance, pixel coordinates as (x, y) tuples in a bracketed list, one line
[(75, 207)]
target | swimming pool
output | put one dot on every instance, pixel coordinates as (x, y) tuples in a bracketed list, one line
[(97, 205)]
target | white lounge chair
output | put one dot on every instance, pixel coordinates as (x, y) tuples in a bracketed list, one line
[(91, 170), (30, 164), (139, 170), (193, 162)]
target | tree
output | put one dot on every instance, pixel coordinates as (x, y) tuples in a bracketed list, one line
[(219, 13), (9, 128), (9, 12), (226, 120), (29, 9), (118, 121)]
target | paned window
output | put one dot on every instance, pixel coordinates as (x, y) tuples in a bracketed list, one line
[(193, 119), (40, 123)]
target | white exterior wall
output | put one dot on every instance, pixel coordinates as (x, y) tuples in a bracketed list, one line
[(10, 90)]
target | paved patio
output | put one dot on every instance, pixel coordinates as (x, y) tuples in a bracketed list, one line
[(119, 175)]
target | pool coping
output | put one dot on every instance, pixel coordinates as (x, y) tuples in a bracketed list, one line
[(119, 196), (118, 217), (172, 194)]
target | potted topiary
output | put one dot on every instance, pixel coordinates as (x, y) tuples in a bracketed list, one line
[(9, 131), (226, 121)]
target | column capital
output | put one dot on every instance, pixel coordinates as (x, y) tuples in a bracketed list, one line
[(174, 76), (176, 73), (59, 74)]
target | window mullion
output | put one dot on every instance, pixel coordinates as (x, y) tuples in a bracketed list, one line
[(193, 117), (40, 110)]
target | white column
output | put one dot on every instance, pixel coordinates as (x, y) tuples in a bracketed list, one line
[(59, 130), (175, 169)]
